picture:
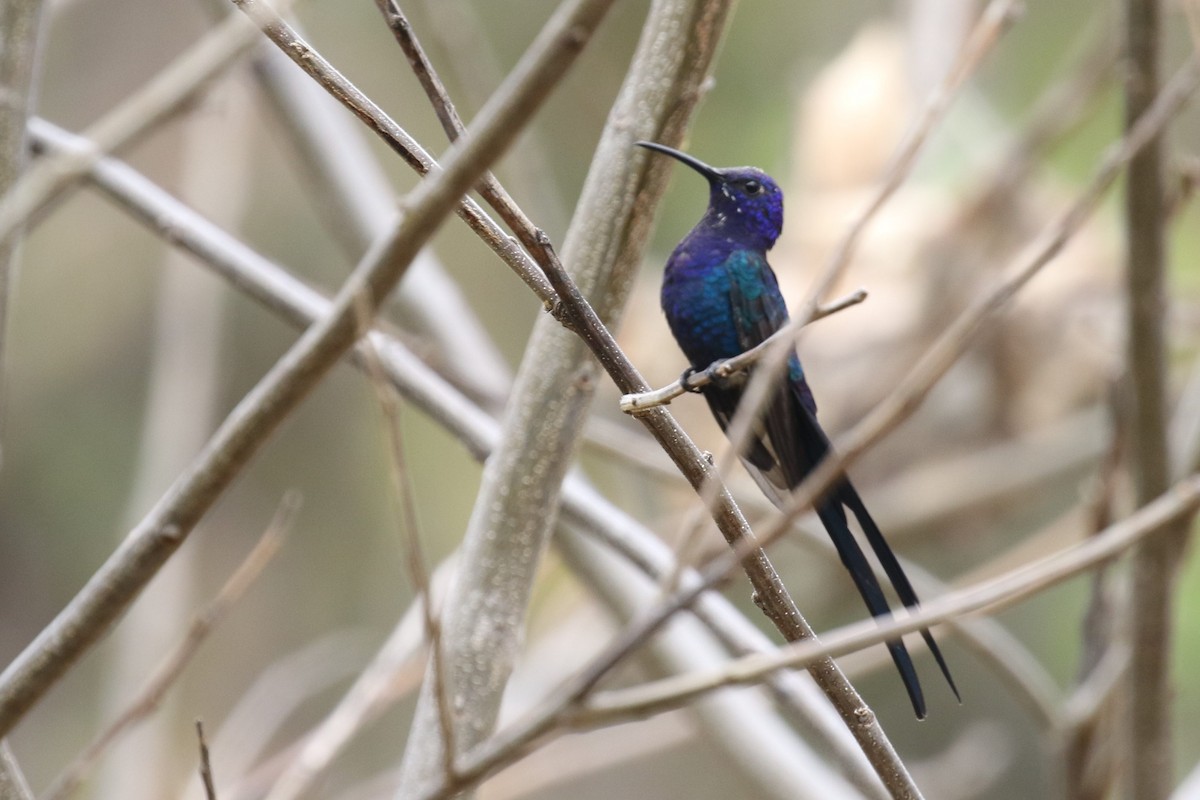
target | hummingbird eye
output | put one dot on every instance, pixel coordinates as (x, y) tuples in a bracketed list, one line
[(752, 187)]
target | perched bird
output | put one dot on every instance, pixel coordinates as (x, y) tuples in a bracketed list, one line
[(721, 298)]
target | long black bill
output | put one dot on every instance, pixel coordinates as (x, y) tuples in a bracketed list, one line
[(693, 162)]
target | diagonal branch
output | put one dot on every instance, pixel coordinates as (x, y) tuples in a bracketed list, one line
[(163, 96), (582, 507), (151, 543), (149, 698), (1001, 592)]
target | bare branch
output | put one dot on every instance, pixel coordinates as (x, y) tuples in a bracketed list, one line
[(1001, 592), (172, 666), (727, 368), (582, 506), (996, 18), (166, 94), (206, 773), (20, 26), (13, 785), (151, 543), (352, 193), (289, 41), (1156, 565)]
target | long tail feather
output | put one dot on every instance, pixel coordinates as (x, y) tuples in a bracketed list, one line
[(904, 590), (834, 519)]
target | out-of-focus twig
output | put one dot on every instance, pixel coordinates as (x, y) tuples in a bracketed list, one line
[(151, 543), (13, 785), (1155, 564), (206, 772), (164, 95), (172, 666), (1001, 592), (20, 26), (352, 193), (415, 560)]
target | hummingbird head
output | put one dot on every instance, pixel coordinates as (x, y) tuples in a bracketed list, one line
[(744, 203)]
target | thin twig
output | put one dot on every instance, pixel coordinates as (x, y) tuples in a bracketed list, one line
[(176, 661), (726, 368), (291, 44), (163, 96), (20, 26), (150, 544), (443, 106), (206, 773), (415, 556), (13, 785)]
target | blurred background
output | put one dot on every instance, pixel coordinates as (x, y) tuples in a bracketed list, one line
[(122, 357)]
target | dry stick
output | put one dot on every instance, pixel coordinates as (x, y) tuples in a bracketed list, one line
[(291, 44), (489, 188), (418, 567), (20, 25), (13, 785), (149, 545), (299, 304), (353, 196), (995, 19), (206, 774), (576, 314), (1155, 566), (1089, 765), (164, 95), (172, 666), (1001, 592)]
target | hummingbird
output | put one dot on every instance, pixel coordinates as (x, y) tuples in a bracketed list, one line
[(721, 298)]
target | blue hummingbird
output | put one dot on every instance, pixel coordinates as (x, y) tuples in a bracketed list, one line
[(721, 298)]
